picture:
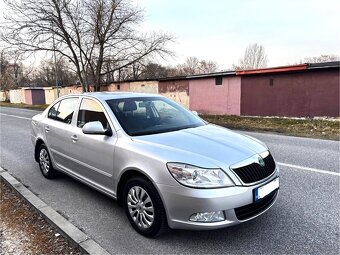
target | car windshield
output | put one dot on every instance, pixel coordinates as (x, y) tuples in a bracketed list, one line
[(152, 115)]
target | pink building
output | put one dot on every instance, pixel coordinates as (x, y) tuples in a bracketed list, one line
[(216, 94)]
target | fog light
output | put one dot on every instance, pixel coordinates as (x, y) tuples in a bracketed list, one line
[(208, 216)]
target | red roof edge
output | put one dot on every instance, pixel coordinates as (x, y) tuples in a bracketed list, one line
[(273, 69)]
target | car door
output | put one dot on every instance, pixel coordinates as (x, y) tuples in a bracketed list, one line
[(57, 130), (93, 155)]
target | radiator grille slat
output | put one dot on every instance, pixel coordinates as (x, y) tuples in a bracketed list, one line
[(254, 172)]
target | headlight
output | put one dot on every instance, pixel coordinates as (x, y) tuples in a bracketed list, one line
[(197, 177)]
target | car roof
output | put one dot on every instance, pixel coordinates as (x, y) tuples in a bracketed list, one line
[(115, 95)]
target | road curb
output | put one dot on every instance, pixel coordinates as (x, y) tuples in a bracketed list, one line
[(78, 238)]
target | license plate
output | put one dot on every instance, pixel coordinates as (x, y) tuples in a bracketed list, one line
[(266, 189)]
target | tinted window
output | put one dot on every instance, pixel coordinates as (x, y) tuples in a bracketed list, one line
[(52, 113), (151, 115), (89, 111), (66, 110)]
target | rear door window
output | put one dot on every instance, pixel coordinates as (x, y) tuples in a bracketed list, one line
[(66, 109), (52, 113)]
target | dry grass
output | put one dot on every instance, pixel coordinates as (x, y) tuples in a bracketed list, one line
[(315, 128), (40, 107)]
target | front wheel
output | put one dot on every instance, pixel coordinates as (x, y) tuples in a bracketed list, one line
[(143, 207), (45, 163)]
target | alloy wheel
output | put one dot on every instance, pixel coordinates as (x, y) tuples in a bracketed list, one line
[(140, 207), (44, 160)]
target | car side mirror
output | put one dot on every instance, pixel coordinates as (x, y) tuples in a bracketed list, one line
[(95, 128)]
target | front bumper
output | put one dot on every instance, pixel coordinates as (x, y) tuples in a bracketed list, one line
[(181, 202)]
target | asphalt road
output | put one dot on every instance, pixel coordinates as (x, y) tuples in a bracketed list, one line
[(305, 218)]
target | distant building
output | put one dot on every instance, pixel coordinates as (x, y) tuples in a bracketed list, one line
[(306, 90)]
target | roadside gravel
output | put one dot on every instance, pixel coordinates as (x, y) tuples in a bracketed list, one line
[(24, 231)]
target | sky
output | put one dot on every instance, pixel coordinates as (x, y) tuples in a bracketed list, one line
[(220, 30)]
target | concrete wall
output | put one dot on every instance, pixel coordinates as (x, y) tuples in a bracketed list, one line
[(74, 89), (4, 96), (50, 95), (208, 98), (177, 90), (17, 96), (22, 96), (28, 96), (144, 87), (308, 93), (136, 86), (123, 86)]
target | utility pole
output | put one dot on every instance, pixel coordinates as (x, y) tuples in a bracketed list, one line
[(1, 56), (55, 62)]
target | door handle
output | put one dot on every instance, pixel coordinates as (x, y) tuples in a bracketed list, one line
[(47, 128), (74, 138)]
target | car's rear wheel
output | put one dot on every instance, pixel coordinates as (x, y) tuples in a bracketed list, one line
[(45, 163), (143, 207)]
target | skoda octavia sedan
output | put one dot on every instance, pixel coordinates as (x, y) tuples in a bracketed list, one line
[(166, 166)]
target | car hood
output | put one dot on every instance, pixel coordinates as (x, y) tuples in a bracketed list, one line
[(205, 145)]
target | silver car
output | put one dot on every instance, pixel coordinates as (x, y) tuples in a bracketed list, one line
[(166, 166)]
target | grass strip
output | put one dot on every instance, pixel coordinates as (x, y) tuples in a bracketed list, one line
[(39, 107), (313, 128)]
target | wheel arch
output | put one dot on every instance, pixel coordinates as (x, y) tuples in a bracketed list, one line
[(128, 174), (36, 148)]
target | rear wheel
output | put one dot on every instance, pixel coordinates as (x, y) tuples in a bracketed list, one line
[(143, 207), (45, 163)]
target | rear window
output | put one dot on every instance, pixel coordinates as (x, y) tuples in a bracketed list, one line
[(52, 113), (63, 110)]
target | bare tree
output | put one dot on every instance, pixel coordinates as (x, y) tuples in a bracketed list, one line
[(45, 73), (11, 70), (147, 69), (154, 71), (190, 66), (4, 74), (321, 59), (208, 66), (254, 57), (193, 65), (99, 37)]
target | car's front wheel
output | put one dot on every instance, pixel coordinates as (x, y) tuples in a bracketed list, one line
[(143, 207), (45, 163)]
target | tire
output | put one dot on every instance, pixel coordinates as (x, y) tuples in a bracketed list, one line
[(144, 207), (45, 163)]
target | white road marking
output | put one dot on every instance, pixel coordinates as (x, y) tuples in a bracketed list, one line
[(14, 116), (309, 169)]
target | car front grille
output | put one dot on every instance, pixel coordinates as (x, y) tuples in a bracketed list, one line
[(254, 172), (251, 210)]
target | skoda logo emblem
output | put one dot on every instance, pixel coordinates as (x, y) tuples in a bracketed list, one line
[(261, 162)]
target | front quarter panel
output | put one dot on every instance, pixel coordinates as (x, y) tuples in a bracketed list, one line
[(37, 128), (130, 156)]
